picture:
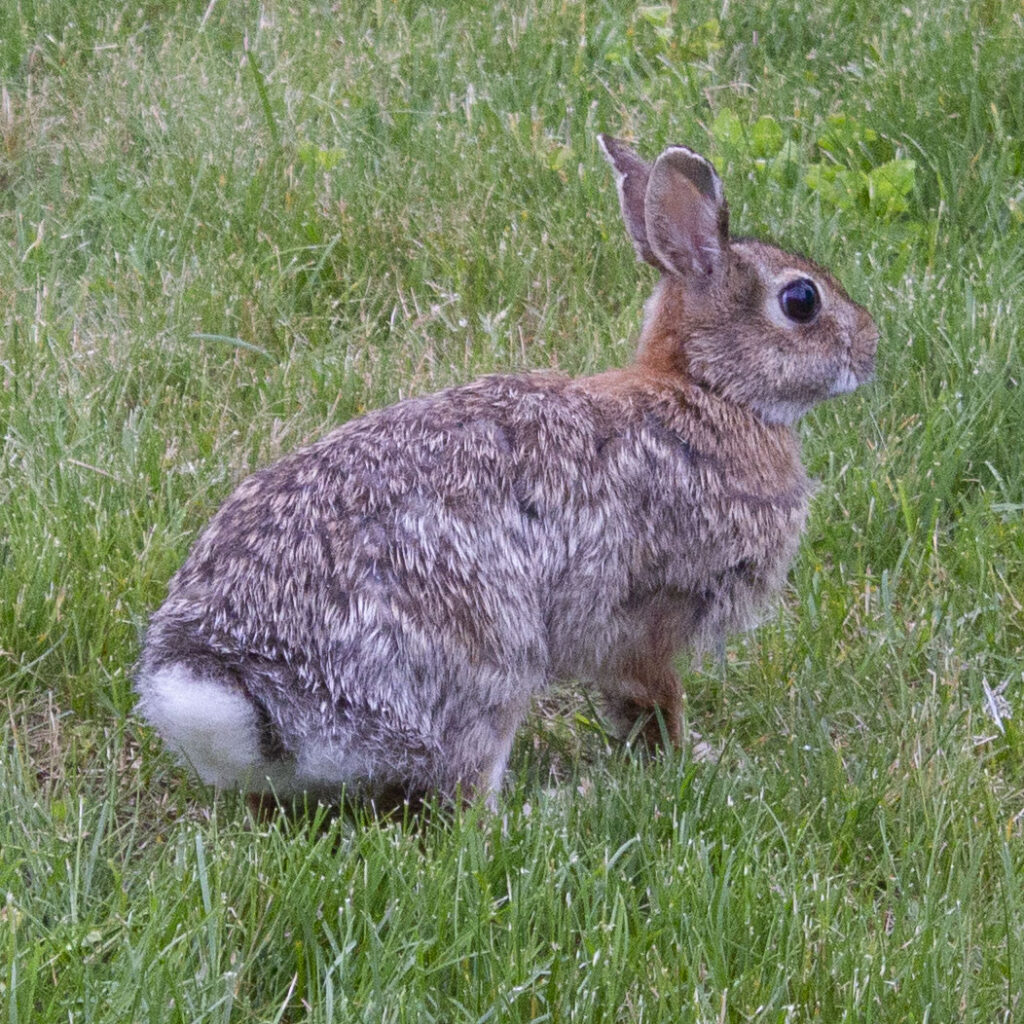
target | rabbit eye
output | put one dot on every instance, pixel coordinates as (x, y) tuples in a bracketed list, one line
[(800, 300)]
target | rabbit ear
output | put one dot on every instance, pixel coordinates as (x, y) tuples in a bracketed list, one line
[(686, 216), (631, 177)]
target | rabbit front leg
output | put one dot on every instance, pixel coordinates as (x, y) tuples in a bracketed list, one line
[(643, 698)]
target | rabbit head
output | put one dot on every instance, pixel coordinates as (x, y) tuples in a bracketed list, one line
[(764, 328)]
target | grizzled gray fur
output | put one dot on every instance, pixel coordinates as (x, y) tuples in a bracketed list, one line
[(376, 611)]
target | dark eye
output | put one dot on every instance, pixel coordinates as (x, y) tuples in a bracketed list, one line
[(800, 300)]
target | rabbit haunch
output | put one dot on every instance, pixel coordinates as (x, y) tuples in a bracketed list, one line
[(377, 610)]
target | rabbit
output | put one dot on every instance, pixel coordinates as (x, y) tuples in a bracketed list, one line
[(374, 613)]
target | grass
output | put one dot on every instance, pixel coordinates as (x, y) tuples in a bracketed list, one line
[(229, 226)]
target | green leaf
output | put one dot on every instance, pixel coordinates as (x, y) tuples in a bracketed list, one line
[(784, 167), (889, 185), (655, 14), (766, 137), (838, 186), (727, 131), (659, 17), (847, 141), (703, 41), (322, 159)]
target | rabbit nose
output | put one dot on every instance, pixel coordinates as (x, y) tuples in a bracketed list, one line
[(862, 355), (867, 331)]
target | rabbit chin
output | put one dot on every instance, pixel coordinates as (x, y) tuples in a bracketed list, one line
[(787, 411), (845, 383), (781, 412)]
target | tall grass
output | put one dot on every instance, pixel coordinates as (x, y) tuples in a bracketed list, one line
[(232, 225)]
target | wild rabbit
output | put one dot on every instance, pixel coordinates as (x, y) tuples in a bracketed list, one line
[(376, 611)]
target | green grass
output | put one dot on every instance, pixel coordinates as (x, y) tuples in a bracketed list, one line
[(228, 226)]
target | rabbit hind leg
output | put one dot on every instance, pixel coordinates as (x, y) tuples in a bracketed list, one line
[(477, 756), (490, 778)]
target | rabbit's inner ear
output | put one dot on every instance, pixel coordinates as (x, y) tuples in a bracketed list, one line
[(687, 217)]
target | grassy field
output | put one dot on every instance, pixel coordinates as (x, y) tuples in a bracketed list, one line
[(229, 225)]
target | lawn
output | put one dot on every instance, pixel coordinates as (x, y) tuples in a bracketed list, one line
[(229, 226)]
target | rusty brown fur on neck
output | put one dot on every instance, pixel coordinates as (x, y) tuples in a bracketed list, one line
[(375, 612)]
